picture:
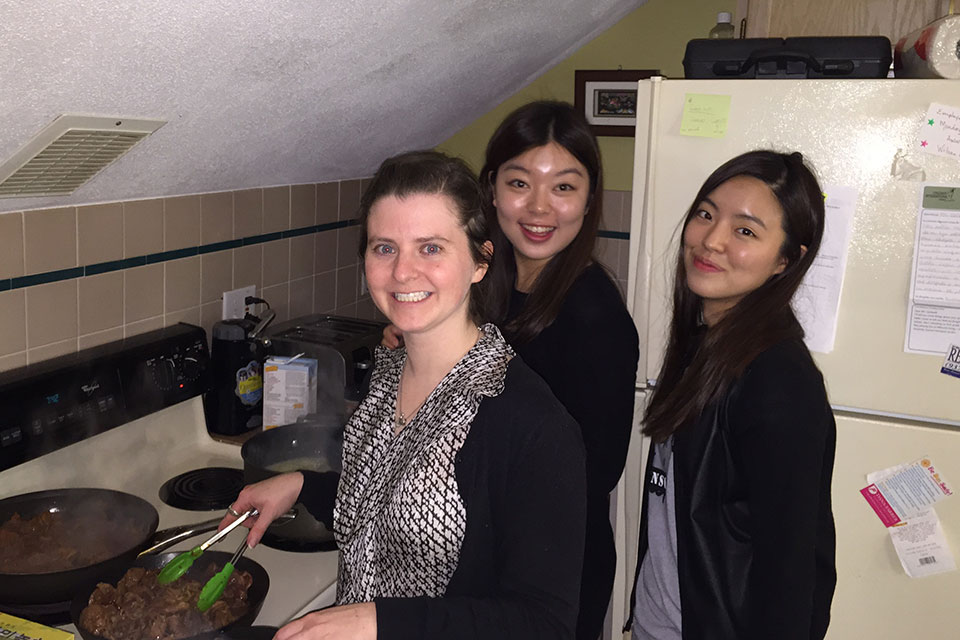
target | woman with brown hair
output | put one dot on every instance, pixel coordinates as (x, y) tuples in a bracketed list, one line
[(737, 539)]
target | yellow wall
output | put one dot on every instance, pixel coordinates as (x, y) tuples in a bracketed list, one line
[(651, 37)]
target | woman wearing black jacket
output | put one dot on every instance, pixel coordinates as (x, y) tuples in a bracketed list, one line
[(737, 538)]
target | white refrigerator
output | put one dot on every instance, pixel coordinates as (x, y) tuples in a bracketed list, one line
[(891, 406)]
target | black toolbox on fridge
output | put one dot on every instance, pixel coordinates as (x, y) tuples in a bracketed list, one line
[(826, 57)]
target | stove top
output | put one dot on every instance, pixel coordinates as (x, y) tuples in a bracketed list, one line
[(204, 489)]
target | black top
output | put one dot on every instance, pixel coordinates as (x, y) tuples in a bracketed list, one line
[(521, 477), (755, 533), (588, 356)]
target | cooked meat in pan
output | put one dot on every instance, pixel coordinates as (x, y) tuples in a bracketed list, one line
[(49, 542), (138, 607)]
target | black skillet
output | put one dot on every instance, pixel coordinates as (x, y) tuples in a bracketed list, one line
[(256, 595), (126, 521)]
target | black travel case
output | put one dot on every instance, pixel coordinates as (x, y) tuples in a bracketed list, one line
[(822, 57)]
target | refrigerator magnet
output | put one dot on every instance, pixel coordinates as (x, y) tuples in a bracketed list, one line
[(951, 363)]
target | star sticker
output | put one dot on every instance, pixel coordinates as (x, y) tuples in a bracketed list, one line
[(930, 122), (923, 143)]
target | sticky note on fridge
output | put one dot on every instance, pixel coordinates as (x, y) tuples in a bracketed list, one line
[(905, 491), (705, 115)]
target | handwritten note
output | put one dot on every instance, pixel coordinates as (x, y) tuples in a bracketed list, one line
[(817, 301), (940, 131), (705, 115), (934, 306)]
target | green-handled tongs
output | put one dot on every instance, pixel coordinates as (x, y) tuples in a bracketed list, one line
[(212, 591), (182, 563)]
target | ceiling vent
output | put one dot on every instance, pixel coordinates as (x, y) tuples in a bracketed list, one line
[(68, 152)]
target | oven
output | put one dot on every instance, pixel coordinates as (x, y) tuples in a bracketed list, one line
[(128, 416)]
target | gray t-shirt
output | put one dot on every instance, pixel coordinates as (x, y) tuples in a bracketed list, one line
[(656, 614)]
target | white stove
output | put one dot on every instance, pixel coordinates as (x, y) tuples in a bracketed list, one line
[(138, 457)]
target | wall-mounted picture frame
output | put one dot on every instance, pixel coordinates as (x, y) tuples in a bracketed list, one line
[(608, 99)]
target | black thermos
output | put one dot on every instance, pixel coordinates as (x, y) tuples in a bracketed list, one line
[(234, 403)]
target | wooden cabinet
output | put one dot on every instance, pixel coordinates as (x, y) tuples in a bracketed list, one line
[(784, 18)]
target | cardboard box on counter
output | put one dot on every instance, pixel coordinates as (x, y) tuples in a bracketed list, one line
[(13, 628), (289, 389)]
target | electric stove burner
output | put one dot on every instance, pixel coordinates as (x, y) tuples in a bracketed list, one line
[(206, 489), (52, 615)]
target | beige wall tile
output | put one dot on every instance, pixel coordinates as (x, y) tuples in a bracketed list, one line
[(349, 199), (346, 286), (301, 297), (143, 326), (210, 313), (142, 227), (325, 292), (364, 183), (101, 337), (100, 233), (51, 313), (248, 266), (181, 222), (348, 242), (142, 293), (276, 209), (13, 321), (190, 316), (51, 351), (216, 217), (328, 202), (612, 210), (101, 302), (50, 239), (279, 298), (276, 262), (301, 256), (247, 213), (182, 284), (11, 245), (303, 206), (325, 251), (608, 252), (623, 265), (216, 275), (349, 310), (13, 361), (627, 208)]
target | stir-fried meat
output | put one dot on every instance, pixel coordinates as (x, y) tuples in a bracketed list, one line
[(139, 608), (42, 544)]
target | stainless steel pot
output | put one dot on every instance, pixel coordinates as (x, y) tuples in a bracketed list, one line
[(313, 445)]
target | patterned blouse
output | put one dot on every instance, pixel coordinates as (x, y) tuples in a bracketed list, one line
[(399, 519)]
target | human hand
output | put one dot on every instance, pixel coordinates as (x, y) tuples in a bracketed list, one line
[(271, 497), (349, 622), (392, 337)]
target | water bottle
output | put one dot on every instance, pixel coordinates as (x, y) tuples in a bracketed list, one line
[(723, 28)]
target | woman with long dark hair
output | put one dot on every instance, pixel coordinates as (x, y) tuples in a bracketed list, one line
[(560, 309), (737, 537)]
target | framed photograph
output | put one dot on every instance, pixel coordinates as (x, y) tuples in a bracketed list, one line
[(608, 99)]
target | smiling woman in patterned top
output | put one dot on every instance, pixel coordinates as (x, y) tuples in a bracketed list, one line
[(460, 512)]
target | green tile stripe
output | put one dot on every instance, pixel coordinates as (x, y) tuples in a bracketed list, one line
[(615, 235), (165, 256)]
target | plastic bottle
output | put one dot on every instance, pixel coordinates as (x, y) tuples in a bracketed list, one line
[(723, 28)]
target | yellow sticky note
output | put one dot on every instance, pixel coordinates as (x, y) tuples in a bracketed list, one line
[(705, 115)]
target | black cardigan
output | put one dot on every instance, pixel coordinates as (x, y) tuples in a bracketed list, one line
[(521, 477), (755, 533)]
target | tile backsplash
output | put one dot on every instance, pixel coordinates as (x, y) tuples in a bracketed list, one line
[(76, 277)]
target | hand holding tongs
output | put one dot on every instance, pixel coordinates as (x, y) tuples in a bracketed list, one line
[(182, 563)]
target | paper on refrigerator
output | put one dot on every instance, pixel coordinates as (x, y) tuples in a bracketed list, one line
[(918, 540), (817, 301), (933, 310)]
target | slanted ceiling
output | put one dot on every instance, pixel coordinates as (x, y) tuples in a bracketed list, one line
[(269, 93)]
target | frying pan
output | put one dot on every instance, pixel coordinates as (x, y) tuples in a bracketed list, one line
[(256, 595), (125, 521)]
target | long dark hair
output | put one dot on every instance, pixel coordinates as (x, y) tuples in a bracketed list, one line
[(534, 125), (434, 173), (758, 321)]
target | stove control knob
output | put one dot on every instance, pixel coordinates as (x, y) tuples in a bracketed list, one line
[(166, 373), (191, 368)]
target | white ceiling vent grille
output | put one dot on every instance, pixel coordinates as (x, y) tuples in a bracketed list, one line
[(68, 152)]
